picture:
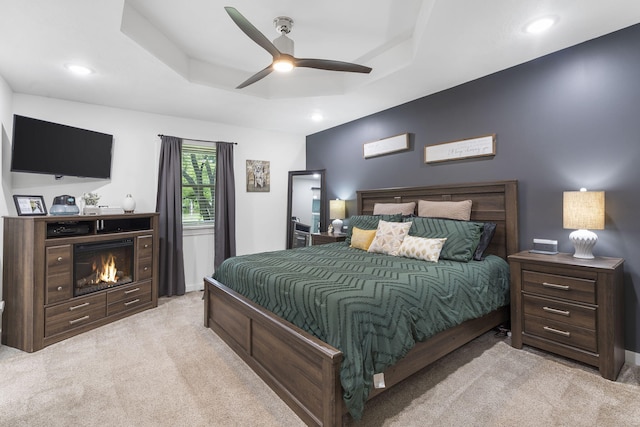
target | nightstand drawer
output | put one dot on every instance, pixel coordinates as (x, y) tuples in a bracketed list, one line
[(555, 285), (561, 332), (573, 314)]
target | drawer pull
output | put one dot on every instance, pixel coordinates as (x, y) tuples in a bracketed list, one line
[(554, 286), (131, 302), (75, 307), (59, 259), (131, 290), (71, 322), (60, 288), (557, 331), (146, 246), (146, 268), (556, 311)]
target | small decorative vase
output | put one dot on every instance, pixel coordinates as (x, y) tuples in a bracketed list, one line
[(128, 204)]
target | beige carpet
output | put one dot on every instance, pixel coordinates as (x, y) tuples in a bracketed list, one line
[(163, 368)]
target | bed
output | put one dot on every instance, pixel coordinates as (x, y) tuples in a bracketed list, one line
[(304, 370)]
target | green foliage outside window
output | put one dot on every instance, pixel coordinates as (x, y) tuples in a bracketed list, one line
[(198, 184)]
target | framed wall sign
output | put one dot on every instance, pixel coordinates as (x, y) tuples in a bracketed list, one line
[(30, 205), (386, 146), (480, 146)]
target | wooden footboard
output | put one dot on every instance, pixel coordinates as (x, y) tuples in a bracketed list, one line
[(301, 369)]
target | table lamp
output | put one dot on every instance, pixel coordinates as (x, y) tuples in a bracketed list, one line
[(583, 210), (337, 210)]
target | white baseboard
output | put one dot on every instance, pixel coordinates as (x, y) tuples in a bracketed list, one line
[(632, 358), (191, 287)]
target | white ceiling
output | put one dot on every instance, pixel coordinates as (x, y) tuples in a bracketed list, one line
[(185, 58)]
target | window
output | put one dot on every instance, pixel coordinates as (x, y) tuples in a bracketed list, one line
[(198, 184)]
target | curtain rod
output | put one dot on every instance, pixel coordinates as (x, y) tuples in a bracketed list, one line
[(198, 140)]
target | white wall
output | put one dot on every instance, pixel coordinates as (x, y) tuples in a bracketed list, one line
[(6, 115), (260, 217)]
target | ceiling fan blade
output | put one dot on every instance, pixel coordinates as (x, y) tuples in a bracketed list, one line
[(257, 76), (251, 31), (327, 64)]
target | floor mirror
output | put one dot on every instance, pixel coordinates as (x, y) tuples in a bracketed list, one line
[(306, 206)]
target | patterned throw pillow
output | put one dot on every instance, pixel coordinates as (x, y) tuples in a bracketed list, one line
[(462, 236), (389, 237), (421, 248), (368, 222), (361, 239)]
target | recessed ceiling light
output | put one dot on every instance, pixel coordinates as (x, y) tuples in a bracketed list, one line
[(540, 25), (317, 117), (80, 70)]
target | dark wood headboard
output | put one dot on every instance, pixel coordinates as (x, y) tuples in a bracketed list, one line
[(491, 202)]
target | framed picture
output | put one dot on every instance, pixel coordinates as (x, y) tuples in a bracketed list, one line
[(258, 176), (481, 146), (30, 205), (384, 146)]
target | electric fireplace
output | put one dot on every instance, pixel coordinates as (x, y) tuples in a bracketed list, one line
[(102, 265)]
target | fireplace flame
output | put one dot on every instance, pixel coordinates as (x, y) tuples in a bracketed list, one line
[(108, 271)]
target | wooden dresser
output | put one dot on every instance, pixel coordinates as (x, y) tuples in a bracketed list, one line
[(44, 303), (569, 306)]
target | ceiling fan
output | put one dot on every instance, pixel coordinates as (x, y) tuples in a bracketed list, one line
[(282, 50)]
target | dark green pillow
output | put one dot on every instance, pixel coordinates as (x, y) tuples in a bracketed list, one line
[(462, 236), (369, 222)]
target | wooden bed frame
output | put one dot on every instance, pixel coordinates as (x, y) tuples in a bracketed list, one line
[(304, 371)]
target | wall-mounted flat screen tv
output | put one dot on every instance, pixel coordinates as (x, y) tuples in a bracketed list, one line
[(50, 148)]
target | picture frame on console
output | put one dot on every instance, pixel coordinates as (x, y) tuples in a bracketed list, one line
[(30, 205)]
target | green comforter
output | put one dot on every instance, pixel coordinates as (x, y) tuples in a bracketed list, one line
[(372, 307)]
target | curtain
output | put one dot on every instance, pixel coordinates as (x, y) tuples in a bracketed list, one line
[(169, 205), (225, 204)]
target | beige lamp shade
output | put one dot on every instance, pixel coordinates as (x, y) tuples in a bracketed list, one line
[(337, 212), (337, 209), (583, 210)]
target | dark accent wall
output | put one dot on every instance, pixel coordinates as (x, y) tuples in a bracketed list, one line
[(564, 121)]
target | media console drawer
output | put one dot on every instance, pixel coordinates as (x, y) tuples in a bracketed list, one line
[(128, 297), (75, 313)]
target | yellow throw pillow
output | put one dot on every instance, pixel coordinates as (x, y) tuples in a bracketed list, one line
[(361, 239), (421, 248)]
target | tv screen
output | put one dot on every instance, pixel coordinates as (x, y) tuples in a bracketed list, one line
[(51, 148)]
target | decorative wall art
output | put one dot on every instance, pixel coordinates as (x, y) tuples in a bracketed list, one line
[(30, 205), (258, 176), (386, 146), (480, 146)]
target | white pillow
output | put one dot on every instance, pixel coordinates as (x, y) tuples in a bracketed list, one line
[(389, 237), (427, 249)]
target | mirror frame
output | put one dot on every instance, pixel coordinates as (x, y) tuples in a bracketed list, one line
[(323, 201)]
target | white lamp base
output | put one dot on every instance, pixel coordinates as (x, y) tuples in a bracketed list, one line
[(337, 225), (583, 241)]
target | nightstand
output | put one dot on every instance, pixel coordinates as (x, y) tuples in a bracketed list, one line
[(569, 306), (324, 238)]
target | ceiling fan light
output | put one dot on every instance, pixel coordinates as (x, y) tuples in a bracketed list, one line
[(283, 65)]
